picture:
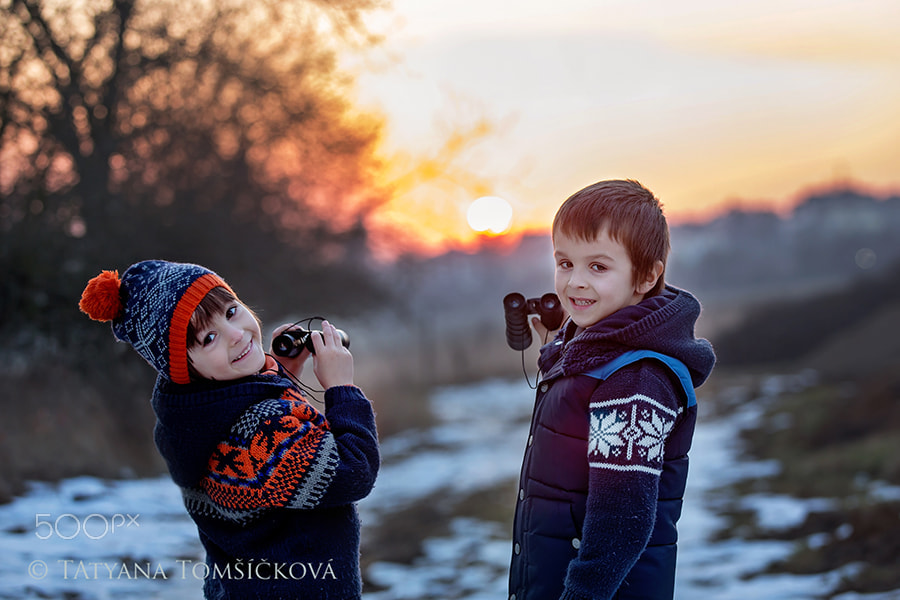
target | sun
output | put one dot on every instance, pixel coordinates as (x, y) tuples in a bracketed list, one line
[(489, 214)]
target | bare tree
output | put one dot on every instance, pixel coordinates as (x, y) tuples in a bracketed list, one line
[(127, 127)]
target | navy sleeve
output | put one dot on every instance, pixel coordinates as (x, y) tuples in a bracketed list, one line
[(630, 417), (352, 423)]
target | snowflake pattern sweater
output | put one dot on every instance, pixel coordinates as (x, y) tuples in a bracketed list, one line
[(271, 482), (606, 461)]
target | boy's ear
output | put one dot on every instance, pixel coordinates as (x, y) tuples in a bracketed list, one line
[(653, 275)]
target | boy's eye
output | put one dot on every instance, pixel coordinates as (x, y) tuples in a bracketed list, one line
[(598, 267), (208, 339), (565, 264), (230, 311)]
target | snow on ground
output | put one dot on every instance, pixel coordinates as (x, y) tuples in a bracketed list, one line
[(471, 563), (91, 539), (95, 539), (479, 440)]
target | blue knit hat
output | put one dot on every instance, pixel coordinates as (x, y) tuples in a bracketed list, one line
[(150, 308)]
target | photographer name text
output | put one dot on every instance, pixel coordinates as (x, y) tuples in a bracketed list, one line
[(186, 569)]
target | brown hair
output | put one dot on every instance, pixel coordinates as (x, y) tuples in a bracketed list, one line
[(214, 303), (632, 216)]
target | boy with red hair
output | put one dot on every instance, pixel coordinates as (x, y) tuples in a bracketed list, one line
[(605, 465)]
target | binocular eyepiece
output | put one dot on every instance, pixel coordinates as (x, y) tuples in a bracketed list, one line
[(290, 342), (517, 309)]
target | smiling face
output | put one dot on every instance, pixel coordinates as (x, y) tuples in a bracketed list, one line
[(228, 345), (596, 278)]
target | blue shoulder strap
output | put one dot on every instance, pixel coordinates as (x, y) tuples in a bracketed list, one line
[(632, 356)]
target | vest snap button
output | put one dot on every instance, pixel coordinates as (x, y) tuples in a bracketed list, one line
[(576, 543), (521, 494), (530, 439), (544, 387), (518, 549)]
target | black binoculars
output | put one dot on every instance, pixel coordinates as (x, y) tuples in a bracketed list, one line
[(517, 309), (290, 342)]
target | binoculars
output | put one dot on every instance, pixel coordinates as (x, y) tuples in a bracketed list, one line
[(290, 342), (517, 309)]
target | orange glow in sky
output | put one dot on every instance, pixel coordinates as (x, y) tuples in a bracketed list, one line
[(709, 104)]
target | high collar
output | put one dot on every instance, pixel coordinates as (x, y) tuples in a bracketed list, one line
[(193, 418), (663, 323)]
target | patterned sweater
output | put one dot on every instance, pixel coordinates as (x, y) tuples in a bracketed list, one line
[(270, 482)]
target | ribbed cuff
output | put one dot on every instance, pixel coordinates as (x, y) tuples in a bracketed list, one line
[(342, 393), (346, 399)]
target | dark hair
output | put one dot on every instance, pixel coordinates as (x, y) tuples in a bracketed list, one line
[(214, 303), (632, 216)]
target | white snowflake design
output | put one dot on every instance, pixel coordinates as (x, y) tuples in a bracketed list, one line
[(656, 431), (629, 434), (605, 432)]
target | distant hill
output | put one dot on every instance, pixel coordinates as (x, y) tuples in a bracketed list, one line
[(827, 239), (847, 332)]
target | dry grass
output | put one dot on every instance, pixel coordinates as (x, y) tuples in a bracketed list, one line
[(59, 424), (832, 441)]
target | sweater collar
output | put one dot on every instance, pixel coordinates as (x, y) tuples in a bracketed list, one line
[(662, 323), (193, 418)]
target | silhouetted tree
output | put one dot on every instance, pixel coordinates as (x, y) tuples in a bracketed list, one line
[(219, 132)]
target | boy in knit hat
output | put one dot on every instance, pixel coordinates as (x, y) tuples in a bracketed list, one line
[(268, 479), (605, 464)]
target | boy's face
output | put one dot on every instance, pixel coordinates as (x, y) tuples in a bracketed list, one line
[(594, 278), (230, 347)]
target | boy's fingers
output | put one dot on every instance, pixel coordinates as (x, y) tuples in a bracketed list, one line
[(329, 331), (318, 340), (280, 329)]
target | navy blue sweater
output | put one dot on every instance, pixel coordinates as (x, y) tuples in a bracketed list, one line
[(270, 482), (606, 461)]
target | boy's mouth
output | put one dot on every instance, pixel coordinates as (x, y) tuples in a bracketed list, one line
[(582, 302), (245, 352)]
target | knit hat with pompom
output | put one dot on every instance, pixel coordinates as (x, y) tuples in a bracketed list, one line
[(150, 307)]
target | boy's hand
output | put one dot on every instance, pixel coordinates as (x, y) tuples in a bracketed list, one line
[(332, 363), (294, 365), (544, 335)]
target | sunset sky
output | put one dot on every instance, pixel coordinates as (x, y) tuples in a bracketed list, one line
[(708, 103)]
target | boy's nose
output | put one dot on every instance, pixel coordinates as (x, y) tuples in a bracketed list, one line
[(577, 279), (235, 334)]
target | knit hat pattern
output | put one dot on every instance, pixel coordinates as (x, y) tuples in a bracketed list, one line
[(150, 307)]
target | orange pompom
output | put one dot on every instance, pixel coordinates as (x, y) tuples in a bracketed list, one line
[(100, 299)]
